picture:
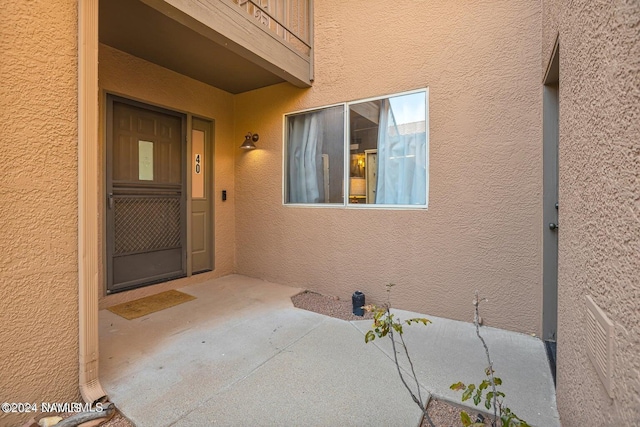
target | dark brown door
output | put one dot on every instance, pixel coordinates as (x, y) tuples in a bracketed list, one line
[(146, 226)]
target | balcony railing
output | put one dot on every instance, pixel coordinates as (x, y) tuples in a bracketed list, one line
[(288, 20)]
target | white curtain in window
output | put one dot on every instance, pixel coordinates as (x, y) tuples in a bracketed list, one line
[(401, 161), (305, 159)]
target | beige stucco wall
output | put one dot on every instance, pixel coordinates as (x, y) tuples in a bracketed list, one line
[(123, 74), (38, 213), (482, 230), (599, 240)]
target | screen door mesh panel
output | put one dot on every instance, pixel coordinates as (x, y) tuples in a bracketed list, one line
[(146, 223)]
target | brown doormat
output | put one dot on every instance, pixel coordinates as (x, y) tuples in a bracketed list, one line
[(151, 304)]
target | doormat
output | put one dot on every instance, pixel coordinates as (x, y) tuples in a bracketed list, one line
[(151, 304)]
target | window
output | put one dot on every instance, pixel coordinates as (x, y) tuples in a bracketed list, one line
[(378, 156), (315, 156)]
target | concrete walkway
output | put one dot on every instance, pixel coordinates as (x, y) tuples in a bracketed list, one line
[(241, 354)]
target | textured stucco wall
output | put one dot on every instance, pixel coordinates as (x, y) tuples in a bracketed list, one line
[(482, 230), (38, 213), (599, 240), (132, 77)]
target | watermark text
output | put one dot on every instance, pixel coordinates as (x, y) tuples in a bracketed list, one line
[(50, 407)]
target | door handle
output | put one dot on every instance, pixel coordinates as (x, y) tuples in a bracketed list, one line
[(110, 200), (553, 226)]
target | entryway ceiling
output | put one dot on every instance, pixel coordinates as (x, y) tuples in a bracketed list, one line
[(140, 30)]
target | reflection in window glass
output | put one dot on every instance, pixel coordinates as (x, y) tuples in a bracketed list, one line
[(388, 151), (314, 162)]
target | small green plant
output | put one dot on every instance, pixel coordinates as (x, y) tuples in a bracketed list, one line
[(385, 324), (487, 389)]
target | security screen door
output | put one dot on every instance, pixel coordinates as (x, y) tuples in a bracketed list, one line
[(146, 220)]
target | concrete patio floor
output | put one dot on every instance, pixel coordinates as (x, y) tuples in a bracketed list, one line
[(241, 354)]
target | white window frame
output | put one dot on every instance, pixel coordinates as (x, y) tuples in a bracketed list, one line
[(347, 157), (284, 157)]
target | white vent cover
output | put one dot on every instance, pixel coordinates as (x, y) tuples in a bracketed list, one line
[(600, 335)]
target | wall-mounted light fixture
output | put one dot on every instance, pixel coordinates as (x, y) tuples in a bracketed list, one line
[(249, 140)]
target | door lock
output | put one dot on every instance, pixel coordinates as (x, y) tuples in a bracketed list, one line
[(553, 226), (110, 197)]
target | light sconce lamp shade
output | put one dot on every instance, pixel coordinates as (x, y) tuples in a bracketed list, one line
[(357, 186), (249, 140)]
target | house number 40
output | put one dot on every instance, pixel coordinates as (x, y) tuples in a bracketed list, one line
[(198, 164)]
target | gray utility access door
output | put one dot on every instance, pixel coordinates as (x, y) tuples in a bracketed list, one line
[(551, 114), (146, 220)]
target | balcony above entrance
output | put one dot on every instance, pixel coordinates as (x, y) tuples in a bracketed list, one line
[(235, 45)]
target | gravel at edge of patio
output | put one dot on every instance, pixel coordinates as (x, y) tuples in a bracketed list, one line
[(329, 306)]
